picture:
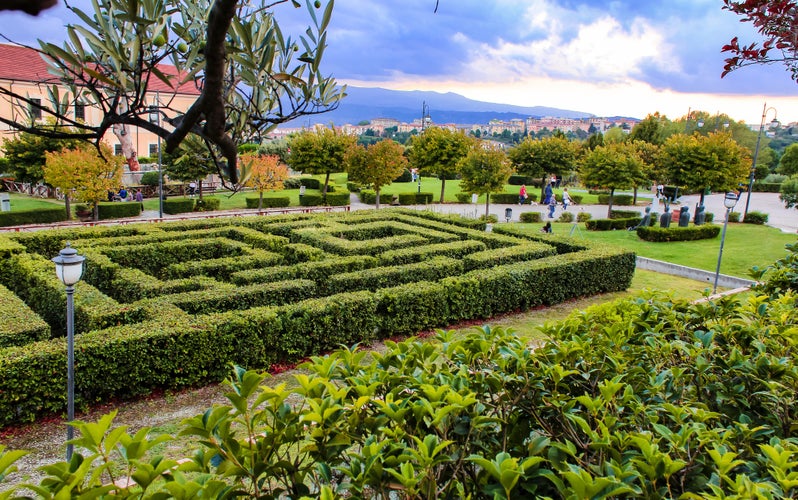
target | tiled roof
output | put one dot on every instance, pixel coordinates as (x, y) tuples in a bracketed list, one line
[(24, 64)]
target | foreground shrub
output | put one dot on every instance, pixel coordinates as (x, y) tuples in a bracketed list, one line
[(529, 217), (691, 233), (699, 403), (755, 217)]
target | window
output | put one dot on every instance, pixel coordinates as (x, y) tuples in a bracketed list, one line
[(117, 149), (80, 111), (153, 150), (35, 109)]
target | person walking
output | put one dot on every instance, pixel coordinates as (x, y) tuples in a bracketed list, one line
[(522, 195), (552, 206), (548, 193), (566, 199)]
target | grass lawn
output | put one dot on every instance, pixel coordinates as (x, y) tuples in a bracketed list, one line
[(25, 202), (746, 245)]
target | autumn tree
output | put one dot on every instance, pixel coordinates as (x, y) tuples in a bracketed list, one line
[(614, 166), (320, 152), (439, 151), (251, 76), (84, 171), (263, 173), (485, 171), (541, 158), (377, 165)]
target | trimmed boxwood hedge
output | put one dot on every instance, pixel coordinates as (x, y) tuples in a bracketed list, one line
[(610, 224), (119, 210), (37, 216), (207, 204), (269, 202), (530, 217), (138, 333), (691, 233), (618, 199), (178, 205)]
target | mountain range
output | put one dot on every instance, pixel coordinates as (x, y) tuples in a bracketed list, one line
[(366, 104)]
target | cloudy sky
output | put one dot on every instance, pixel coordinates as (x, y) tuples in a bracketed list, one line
[(622, 57)]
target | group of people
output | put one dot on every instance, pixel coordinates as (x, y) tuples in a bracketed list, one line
[(548, 197), (122, 195)]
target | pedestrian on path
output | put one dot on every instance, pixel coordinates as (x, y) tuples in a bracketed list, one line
[(552, 206), (566, 199)]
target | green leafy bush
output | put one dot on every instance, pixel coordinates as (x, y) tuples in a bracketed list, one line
[(520, 180), (611, 224), (754, 217), (178, 205), (310, 182), (268, 202), (310, 200), (624, 214), (405, 176), (583, 216), (691, 233), (292, 183), (463, 197), (37, 216), (529, 217), (207, 204), (150, 178), (119, 210), (734, 216), (566, 217), (618, 199), (337, 199), (766, 187)]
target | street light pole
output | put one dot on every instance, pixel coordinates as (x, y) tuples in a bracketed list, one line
[(69, 269), (155, 117), (774, 123), (729, 201)]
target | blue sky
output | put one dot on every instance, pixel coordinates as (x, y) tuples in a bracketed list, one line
[(624, 57)]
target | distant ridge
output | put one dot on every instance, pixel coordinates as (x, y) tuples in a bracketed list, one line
[(366, 103)]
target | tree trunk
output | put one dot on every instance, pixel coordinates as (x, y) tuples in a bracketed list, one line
[(260, 200), (609, 207), (68, 206), (634, 200), (443, 187), (95, 215), (487, 206), (199, 187), (377, 193), (126, 142), (324, 191)]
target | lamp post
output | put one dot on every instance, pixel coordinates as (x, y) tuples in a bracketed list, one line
[(69, 269), (690, 114), (729, 201), (155, 117), (774, 123)]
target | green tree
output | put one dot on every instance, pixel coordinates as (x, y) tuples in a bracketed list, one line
[(699, 163), (789, 192), (377, 165), (543, 157), (252, 76), (650, 129), (26, 154), (485, 171), (193, 163), (788, 165), (87, 173), (277, 147), (320, 152), (614, 166), (439, 151)]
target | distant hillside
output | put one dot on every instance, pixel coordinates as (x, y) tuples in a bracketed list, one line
[(363, 103)]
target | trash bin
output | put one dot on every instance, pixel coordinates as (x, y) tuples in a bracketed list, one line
[(508, 214), (5, 202), (474, 198)]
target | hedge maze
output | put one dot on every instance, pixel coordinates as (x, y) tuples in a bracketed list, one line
[(173, 304)]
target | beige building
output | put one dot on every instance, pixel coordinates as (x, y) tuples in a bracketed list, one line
[(23, 71)]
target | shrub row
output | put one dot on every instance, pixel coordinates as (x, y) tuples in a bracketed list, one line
[(609, 224), (269, 202), (225, 297), (221, 267), (37, 216), (529, 217), (507, 255), (317, 270), (119, 210), (766, 187), (755, 217), (382, 277), (207, 204), (618, 199), (454, 249), (702, 232), (19, 325), (369, 196)]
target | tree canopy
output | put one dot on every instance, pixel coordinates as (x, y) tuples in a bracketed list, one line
[(377, 165), (485, 171), (614, 166), (319, 152), (250, 75), (439, 151)]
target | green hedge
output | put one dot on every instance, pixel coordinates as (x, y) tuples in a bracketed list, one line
[(529, 217), (337, 199), (136, 333), (178, 205), (520, 180), (609, 224), (310, 182), (119, 210), (766, 187), (19, 325), (755, 217), (659, 234), (37, 216), (624, 214), (618, 199), (207, 204), (269, 202), (310, 200)]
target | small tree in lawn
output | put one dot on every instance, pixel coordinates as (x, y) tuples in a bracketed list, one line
[(485, 171), (439, 151), (377, 165), (263, 173), (319, 152), (84, 171), (615, 166)]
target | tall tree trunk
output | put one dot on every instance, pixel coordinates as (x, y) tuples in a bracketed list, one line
[(324, 191), (124, 136), (377, 193), (199, 188), (68, 206), (609, 207), (487, 206), (260, 200), (443, 187)]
